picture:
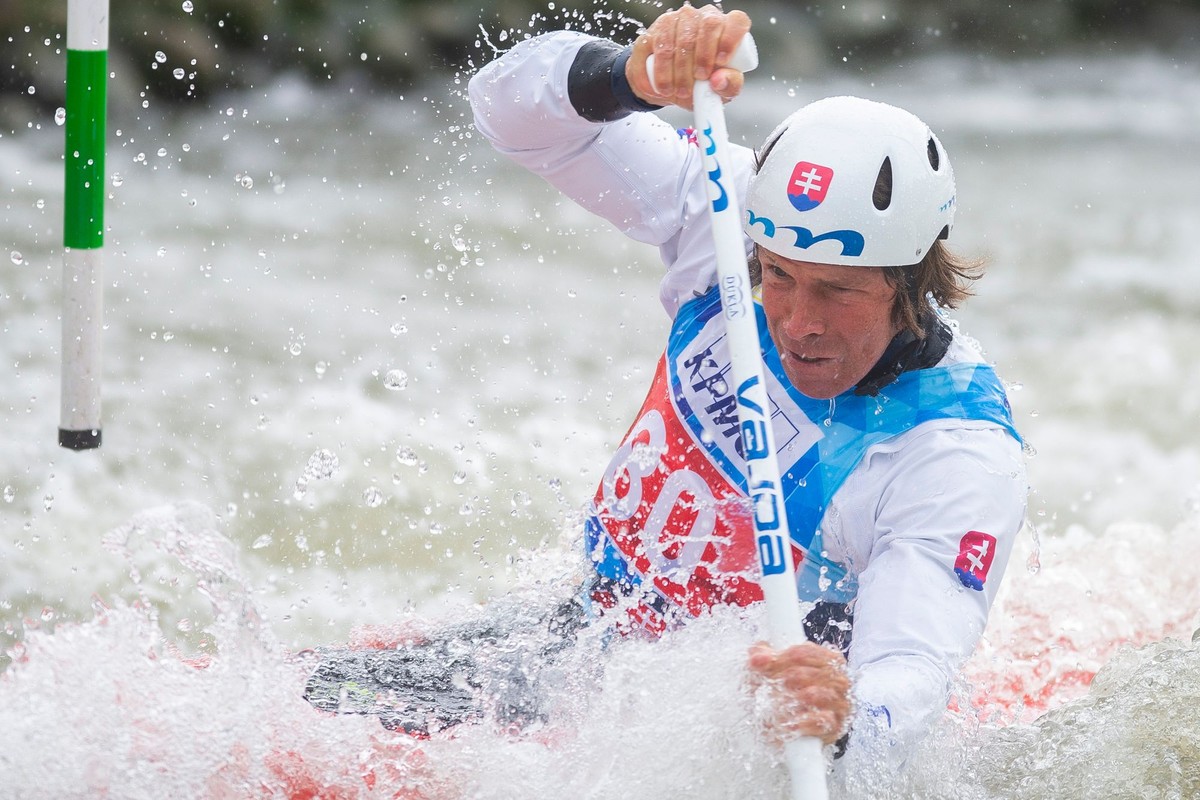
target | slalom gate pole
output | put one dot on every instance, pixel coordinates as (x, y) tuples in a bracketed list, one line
[(805, 760), (83, 223)]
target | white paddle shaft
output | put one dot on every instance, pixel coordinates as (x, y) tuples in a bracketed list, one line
[(805, 759)]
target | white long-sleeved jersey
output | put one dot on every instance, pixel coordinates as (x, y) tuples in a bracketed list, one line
[(919, 511)]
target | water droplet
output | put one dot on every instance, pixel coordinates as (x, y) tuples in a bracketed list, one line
[(117, 180), (245, 180), (321, 464), (521, 499), (162, 152), (179, 73), (398, 329), (187, 6), (184, 625), (40, 203), (47, 614), (16, 257), (10, 494), (60, 116), (406, 456), (460, 477), (48, 502), (160, 57), (320, 367), (396, 380), (373, 497)]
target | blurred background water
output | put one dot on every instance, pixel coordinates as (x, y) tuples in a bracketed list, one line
[(360, 371)]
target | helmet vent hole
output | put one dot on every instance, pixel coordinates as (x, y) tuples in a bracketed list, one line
[(882, 196), (934, 159)]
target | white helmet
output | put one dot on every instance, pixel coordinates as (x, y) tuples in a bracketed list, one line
[(813, 197)]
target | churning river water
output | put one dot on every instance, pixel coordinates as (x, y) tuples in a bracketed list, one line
[(360, 371)]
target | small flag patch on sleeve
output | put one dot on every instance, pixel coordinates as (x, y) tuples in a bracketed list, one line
[(975, 552)]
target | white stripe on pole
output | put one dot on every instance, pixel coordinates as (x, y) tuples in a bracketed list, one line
[(87, 24), (82, 321), (805, 759)]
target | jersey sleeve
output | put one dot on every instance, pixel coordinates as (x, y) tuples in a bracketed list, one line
[(944, 524), (637, 172)]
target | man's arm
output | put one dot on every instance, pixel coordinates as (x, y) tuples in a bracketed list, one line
[(636, 171), (935, 546)]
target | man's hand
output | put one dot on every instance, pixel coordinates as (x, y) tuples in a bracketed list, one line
[(689, 45), (810, 690)]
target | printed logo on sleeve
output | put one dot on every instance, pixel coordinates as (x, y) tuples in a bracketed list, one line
[(975, 552), (808, 185)]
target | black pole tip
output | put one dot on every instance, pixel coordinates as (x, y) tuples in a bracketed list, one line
[(79, 440)]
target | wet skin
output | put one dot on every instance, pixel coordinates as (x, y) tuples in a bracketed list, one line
[(830, 323)]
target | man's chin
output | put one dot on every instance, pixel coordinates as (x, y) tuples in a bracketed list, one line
[(812, 379)]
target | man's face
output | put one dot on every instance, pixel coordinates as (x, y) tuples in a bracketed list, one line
[(829, 323)]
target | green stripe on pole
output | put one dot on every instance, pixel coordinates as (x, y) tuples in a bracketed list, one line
[(83, 218)]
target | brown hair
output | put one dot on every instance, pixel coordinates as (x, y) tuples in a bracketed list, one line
[(942, 274)]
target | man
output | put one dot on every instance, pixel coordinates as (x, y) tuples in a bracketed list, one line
[(903, 474)]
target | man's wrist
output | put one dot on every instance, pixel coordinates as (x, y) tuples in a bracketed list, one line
[(597, 86)]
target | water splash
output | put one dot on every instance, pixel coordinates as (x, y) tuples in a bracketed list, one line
[(129, 715)]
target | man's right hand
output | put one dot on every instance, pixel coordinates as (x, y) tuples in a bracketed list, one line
[(689, 45), (811, 690)]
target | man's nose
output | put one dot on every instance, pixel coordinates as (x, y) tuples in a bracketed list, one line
[(804, 317)]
